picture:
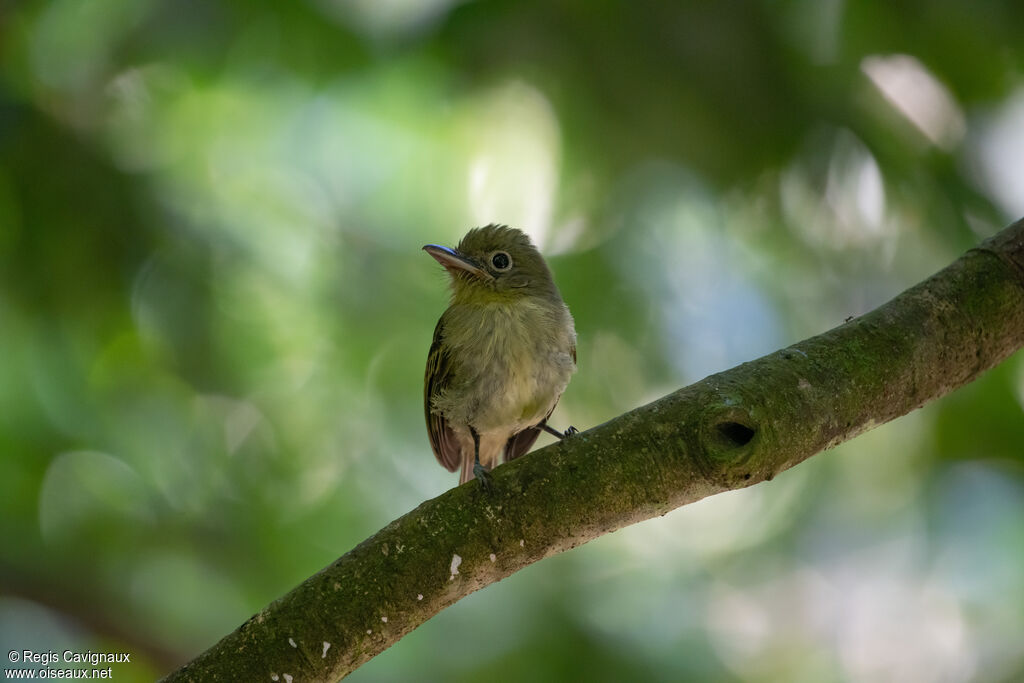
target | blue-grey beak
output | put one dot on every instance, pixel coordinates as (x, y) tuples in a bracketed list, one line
[(453, 261)]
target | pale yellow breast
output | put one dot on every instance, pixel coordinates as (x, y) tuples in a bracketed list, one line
[(519, 364)]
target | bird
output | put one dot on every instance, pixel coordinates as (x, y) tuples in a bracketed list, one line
[(502, 353)]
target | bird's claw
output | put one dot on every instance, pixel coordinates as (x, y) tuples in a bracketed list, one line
[(483, 476), (570, 431)]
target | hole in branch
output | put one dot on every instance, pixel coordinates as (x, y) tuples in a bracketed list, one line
[(737, 434)]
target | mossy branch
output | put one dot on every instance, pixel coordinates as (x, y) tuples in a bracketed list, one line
[(728, 431)]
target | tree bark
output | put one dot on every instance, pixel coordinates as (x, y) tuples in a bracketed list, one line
[(728, 431)]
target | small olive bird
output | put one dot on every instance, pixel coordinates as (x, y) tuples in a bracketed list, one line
[(502, 353)]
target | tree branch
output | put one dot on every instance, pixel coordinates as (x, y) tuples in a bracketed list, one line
[(728, 431)]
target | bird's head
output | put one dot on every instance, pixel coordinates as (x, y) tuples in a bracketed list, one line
[(495, 263)]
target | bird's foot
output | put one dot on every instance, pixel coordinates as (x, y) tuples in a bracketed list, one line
[(483, 476), (557, 434)]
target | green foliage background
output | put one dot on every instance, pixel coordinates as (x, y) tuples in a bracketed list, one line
[(214, 315)]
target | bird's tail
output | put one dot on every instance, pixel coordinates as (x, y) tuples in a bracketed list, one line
[(467, 469)]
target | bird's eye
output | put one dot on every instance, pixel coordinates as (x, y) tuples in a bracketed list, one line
[(501, 261)]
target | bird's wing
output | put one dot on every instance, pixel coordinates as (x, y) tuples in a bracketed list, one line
[(521, 443), (439, 374)]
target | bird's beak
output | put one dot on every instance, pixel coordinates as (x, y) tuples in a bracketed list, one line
[(453, 261)]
